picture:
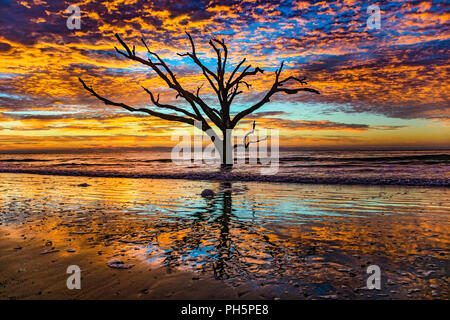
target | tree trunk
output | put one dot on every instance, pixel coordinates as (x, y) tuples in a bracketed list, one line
[(226, 154)]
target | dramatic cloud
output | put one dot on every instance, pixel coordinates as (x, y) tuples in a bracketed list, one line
[(399, 72)]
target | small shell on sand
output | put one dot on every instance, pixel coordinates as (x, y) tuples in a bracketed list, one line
[(208, 193), (84, 185), (49, 251), (118, 264)]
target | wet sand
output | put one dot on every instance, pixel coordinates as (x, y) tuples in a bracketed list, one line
[(28, 274), (251, 241)]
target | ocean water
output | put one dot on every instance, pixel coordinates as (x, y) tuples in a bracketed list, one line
[(312, 236), (421, 168)]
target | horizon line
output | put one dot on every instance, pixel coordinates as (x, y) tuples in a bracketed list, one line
[(297, 148)]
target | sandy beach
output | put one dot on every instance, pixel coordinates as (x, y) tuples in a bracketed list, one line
[(252, 240)]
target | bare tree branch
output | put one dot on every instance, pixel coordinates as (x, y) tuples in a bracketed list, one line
[(172, 82), (164, 116), (167, 106), (246, 73), (225, 56), (276, 87), (247, 141), (197, 61)]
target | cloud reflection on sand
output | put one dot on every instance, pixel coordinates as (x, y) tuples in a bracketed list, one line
[(301, 240)]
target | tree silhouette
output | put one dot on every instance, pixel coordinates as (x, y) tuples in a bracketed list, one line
[(226, 91)]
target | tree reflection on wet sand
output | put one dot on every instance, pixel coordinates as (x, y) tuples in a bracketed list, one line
[(279, 240)]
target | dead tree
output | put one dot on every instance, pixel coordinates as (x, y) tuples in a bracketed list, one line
[(225, 87)]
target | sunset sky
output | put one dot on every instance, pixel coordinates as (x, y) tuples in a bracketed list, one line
[(385, 88)]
